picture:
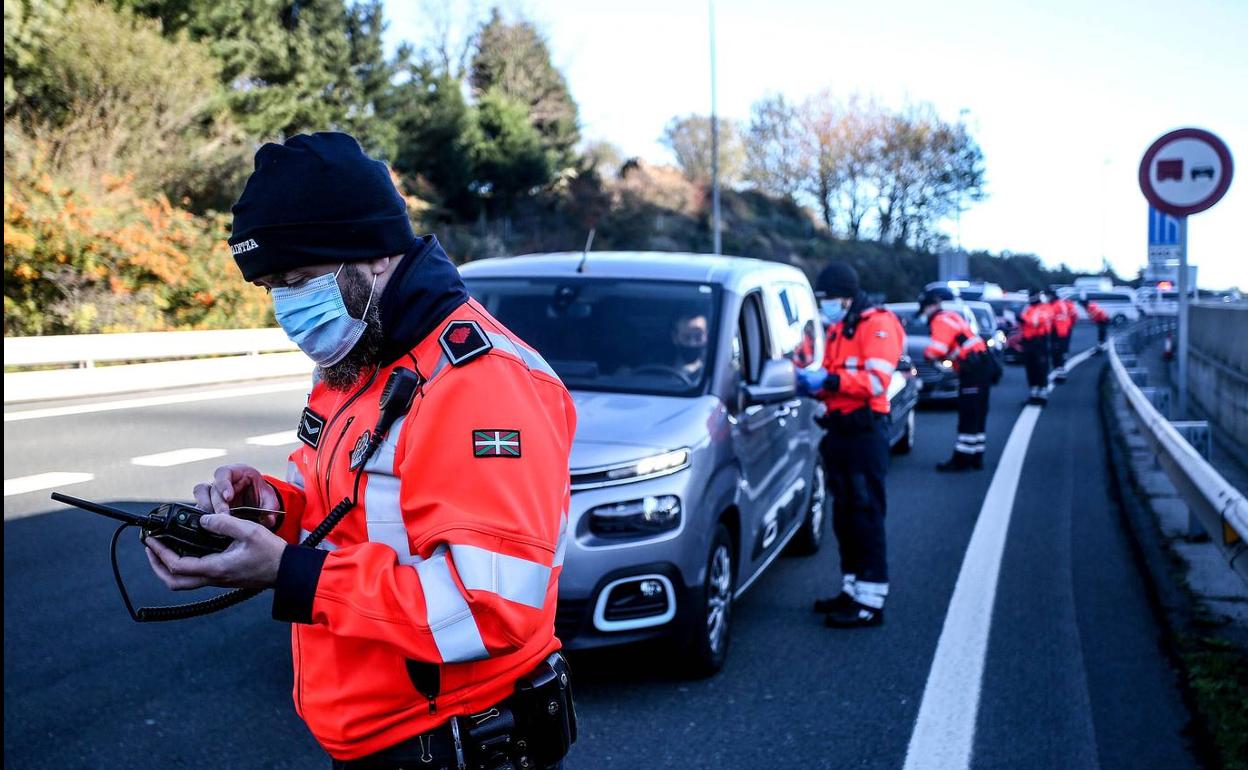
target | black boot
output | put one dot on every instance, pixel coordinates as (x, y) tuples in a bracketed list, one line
[(961, 461), (855, 615), (833, 604), (977, 461)]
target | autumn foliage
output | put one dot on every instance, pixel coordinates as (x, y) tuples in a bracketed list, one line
[(104, 258)]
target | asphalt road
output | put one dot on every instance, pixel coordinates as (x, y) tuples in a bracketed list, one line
[(1073, 677)]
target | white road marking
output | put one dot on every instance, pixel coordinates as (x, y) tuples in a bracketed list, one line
[(274, 439), (177, 457), (23, 484), (138, 403), (944, 732)]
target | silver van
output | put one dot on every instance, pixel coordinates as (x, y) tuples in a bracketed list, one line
[(695, 464)]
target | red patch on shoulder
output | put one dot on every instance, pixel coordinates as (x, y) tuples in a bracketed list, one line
[(460, 336)]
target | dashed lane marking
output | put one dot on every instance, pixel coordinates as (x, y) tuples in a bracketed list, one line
[(177, 457), (275, 439), (23, 484)]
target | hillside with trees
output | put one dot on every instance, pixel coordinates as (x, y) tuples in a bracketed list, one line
[(130, 127)]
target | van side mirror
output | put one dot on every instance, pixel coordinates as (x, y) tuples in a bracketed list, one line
[(777, 383)]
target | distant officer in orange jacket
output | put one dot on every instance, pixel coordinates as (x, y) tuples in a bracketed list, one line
[(1037, 327), (435, 595), (953, 340), (1064, 314), (1098, 316), (864, 343)]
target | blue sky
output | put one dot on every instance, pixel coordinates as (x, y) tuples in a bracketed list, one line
[(1064, 95)]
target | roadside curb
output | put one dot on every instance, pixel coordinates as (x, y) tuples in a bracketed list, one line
[(1176, 608)]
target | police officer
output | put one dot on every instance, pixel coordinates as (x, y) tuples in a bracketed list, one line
[(1037, 327), (1062, 313), (953, 340), (1098, 316), (864, 343), (434, 596)]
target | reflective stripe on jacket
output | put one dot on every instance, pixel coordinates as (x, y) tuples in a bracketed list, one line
[(1036, 321), (952, 338), (865, 362), (437, 591)]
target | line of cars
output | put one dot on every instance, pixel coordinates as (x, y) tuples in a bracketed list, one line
[(695, 463)]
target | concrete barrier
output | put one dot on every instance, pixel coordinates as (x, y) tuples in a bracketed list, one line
[(1217, 378)]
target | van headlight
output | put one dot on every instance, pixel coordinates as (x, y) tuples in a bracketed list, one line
[(647, 516), (637, 470)]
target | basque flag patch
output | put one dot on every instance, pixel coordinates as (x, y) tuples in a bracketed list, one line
[(496, 443)]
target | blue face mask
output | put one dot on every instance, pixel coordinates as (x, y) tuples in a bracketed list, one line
[(836, 313), (315, 318)]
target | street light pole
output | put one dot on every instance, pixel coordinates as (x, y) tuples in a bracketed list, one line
[(716, 243)]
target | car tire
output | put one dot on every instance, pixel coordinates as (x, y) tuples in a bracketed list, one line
[(709, 626), (905, 444), (1119, 319), (808, 539)]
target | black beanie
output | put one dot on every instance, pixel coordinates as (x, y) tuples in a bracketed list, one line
[(314, 200), (838, 279)]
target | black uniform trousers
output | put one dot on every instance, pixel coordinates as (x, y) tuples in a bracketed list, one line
[(855, 457), (1102, 329), (974, 386), (1059, 346), (1036, 360)]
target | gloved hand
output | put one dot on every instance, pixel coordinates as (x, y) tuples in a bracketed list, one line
[(810, 382)]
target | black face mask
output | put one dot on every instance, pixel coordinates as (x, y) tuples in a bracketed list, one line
[(690, 353)]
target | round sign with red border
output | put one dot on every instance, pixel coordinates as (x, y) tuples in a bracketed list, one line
[(1186, 171)]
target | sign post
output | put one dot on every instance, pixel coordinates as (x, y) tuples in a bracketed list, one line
[(1185, 172)]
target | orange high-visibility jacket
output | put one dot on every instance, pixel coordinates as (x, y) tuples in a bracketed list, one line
[(1064, 313), (1097, 313), (437, 591), (952, 338), (865, 362), (1036, 321)]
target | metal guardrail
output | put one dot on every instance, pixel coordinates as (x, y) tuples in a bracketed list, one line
[(1221, 508), (171, 360), (84, 350)]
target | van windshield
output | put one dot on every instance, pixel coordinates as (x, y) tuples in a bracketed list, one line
[(629, 336)]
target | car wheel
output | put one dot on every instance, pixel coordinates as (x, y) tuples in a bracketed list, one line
[(906, 443), (1120, 319), (810, 536), (710, 623)]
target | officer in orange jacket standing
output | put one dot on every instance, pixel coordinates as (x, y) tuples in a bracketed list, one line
[(423, 625), (953, 339), (1098, 316), (864, 343), (1037, 326), (1064, 314)]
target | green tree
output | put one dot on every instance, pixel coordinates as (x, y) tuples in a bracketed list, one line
[(105, 100), (689, 139), (513, 59), (509, 157), (437, 134)]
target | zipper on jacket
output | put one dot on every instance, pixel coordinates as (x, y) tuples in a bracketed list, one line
[(338, 413), (427, 679), (329, 467)]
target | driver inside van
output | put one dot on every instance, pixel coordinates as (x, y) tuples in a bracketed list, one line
[(689, 335)]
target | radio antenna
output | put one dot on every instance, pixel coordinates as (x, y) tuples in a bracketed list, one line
[(589, 244), (103, 510)]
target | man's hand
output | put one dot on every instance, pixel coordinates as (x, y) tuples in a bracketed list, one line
[(251, 561), (236, 486), (810, 382)]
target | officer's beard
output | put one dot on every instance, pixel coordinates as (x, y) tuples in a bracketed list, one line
[(366, 353)]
